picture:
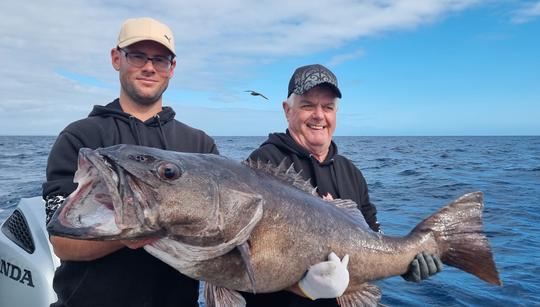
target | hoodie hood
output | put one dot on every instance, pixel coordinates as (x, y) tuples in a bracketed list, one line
[(114, 109), (286, 143), (137, 127)]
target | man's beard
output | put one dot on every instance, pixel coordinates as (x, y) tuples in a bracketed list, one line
[(140, 99)]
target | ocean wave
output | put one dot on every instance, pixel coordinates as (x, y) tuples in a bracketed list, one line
[(409, 172), (523, 169), (376, 185), (444, 155), (458, 186)]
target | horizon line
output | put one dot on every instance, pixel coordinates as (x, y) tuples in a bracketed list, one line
[(404, 135)]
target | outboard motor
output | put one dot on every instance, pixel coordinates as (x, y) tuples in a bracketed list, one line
[(27, 261)]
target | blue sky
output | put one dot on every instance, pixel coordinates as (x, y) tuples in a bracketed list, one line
[(425, 67)]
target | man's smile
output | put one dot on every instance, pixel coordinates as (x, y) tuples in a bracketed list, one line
[(146, 80), (316, 126)]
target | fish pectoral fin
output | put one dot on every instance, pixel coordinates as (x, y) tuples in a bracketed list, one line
[(215, 296), (365, 295), (246, 257), (239, 212)]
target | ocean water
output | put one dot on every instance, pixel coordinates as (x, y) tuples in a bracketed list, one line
[(409, 178)]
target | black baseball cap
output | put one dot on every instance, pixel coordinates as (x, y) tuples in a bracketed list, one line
[(307, 77)]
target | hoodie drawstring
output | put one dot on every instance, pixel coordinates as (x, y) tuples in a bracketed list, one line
[(335, 179), (134, 130), (161, 133), (315, 172), (322, 185)]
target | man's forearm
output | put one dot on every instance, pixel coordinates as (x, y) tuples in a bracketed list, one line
[(82, 250)]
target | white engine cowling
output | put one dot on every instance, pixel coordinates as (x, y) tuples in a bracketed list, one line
[(27, 261)]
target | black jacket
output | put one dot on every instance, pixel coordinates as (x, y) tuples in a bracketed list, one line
[(126, 277), (335, 175)]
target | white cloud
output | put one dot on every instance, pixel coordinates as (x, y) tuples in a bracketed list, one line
[(340, 58), (218, 43), (527, 13)]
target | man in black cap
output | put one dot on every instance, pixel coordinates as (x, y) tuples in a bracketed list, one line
[(310, 109)]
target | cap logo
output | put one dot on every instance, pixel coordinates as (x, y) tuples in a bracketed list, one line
[(168, 38)]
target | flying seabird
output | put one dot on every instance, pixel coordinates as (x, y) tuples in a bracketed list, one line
[(253, 93)]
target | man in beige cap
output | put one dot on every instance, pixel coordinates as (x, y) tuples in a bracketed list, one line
[(120, 273)]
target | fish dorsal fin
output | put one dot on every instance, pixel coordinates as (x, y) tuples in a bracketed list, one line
[(351, 208), (285, 173)]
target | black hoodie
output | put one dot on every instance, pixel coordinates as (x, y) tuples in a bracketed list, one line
[(126, 277), (335, 175), (109, 125)]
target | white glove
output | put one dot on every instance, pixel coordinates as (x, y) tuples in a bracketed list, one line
[(328, 279)]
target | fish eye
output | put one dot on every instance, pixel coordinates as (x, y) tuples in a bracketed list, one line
[(168, 171)]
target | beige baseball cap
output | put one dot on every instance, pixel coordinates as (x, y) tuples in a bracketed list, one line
[(140, 29)]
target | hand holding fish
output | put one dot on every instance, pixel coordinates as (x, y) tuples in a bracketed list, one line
[(328, 197), (326, 279), (138, 243), (423, 266)]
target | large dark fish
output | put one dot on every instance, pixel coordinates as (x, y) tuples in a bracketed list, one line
[(253, 227)]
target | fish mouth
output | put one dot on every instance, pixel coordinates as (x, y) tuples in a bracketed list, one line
[(106, 204)]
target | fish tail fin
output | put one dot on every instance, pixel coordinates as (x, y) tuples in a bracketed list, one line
[(461, 242)]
